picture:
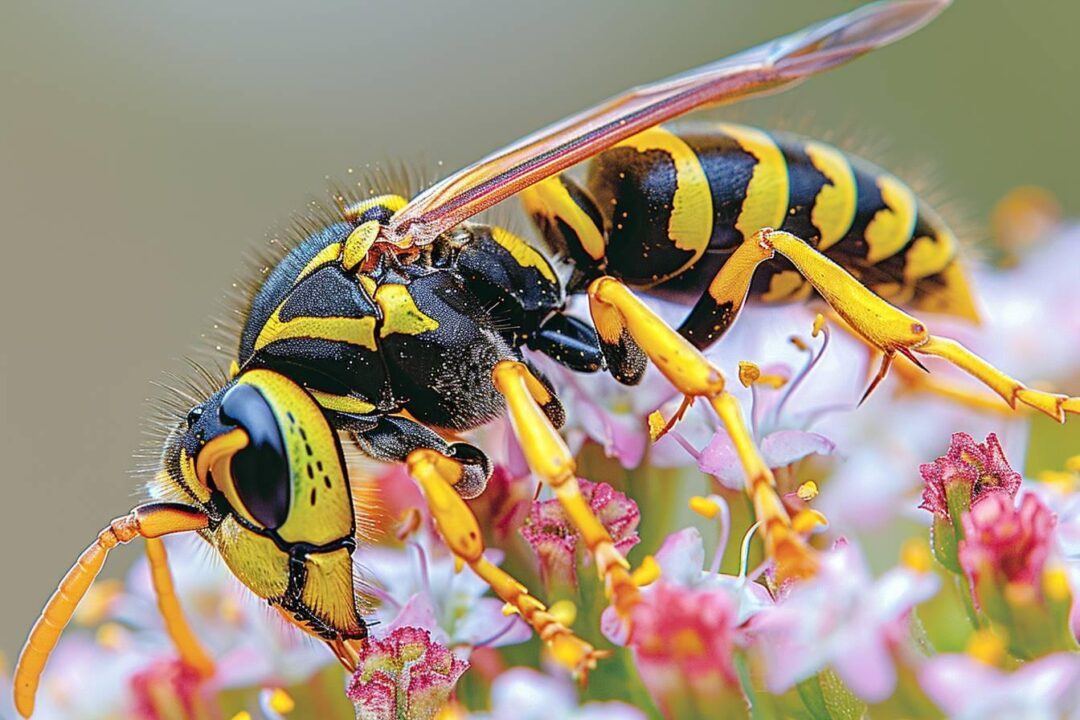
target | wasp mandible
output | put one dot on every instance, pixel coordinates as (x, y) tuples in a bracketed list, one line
[(399, 322)]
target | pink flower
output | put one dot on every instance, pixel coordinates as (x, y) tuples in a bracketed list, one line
[(683, 641), (167, 688), (981, 468), (782, 433), (419, 586), (967, 689), (503, 505), (1011, 544), (841, 618), (404, 675), (555, 540)]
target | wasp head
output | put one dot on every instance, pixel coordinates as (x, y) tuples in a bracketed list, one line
[(262, 461)]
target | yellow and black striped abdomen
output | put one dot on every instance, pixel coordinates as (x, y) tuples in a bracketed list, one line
[(675, 204)]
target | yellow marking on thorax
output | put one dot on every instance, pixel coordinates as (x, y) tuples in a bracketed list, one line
[(834, 206), (393, 203), (550, 198), (368, 283), (890, 229), (358, 243), (787, 286), (328, 254), (524, 254), (341, 403), (768, 191), (400, 314), (354, 331), (691, 220)]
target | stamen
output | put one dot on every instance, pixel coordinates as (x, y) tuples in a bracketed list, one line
[(711, 507), (819, 328), (915, 555), (748, 373), (647, 573), (807, 491), (276, 702), (421, 558), (410, 522), (685, 444), (657, 423), (1056, 584), (498, 635), (986, 647), (806, 521), (564, 611), (111, 636), (744, 551)]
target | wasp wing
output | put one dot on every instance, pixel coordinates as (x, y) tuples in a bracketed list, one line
[(763, 69)]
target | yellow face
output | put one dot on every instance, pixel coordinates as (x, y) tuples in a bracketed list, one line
[(261, 460)]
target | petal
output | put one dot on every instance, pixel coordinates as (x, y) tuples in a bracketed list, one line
[(720, 460), (525, 694), (682, 557), (954, 681), (865, 666), (785, 447), (419, 612), (485, 624)]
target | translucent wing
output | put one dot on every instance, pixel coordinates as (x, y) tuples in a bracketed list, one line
[(766, 68)]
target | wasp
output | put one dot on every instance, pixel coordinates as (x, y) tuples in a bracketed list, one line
[(400, 322)]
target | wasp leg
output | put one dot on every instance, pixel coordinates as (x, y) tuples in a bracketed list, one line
[(187, 645), (569, 342), (891, 330), (719, 306), (391, 438), (916, 380), (438, 476), (149, 521), (550, 459), (622, 317)]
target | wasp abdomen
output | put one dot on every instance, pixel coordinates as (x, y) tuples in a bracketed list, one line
[(675, 204)]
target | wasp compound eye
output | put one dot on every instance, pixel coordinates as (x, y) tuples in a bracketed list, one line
[(260, 471)]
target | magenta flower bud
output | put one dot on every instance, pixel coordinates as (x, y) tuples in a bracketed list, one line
[(555, 540), (404, 675), (167, 688), (981, 469), (968, 473)]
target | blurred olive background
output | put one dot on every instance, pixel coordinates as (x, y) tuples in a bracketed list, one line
[(145, 147)]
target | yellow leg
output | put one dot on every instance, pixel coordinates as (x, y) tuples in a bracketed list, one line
[(437, 475), (551, 460), (187, 645), (616, 311), (891, 330), (150, 521)]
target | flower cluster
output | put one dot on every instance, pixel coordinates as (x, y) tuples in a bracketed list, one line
[(945, 575)]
